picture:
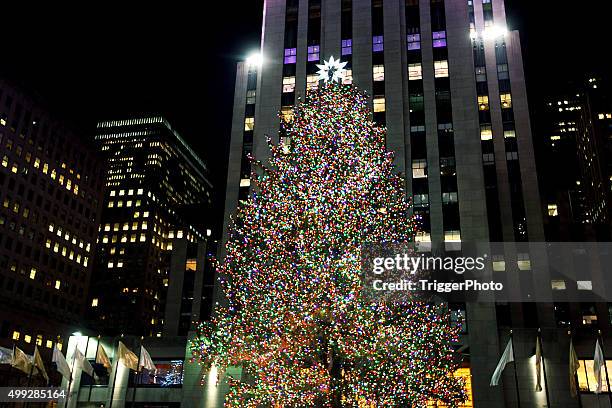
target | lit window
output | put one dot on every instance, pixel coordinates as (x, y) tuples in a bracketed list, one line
[(452, 236), (483, 103), (112, 193), (49, 344), (249, 124), (421, 200), (33, 273), (585, 285), (378, 72), (439, 39), (552, 210), (347, 47), (509, 134), (250, 97), (290, 55), (289, 84), (143, 237), (415, 71), (419, 168), (441, 69), (39, 340), (245, 182), (287, 113), (486, 132), (27, 338), (449, 198), (506, 100), (312, 81), (313, 53), (110, 264), (377, 43), (414, 41), (499, 264), (379, 104), (523, 262), (16, 335), (348, 77)]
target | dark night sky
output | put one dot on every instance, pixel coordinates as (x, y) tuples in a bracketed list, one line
[(113, 60)]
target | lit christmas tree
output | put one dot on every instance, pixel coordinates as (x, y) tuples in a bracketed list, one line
[(297, 321)]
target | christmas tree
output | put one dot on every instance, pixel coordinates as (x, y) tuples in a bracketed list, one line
[(296, 319)]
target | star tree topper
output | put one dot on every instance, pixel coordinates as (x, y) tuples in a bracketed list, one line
[(332, 70)]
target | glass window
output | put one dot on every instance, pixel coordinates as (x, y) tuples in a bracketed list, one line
[(377, 43), (313, 53), (312, 81), (413, 41), (415, 71), (452, 236), (483, 103), (169, 373), (347, 47), (250, 98), (441, 69), (419, 168), (378, 72), (481, 74), (288, 84), (439, 39), (249, 124), (552, 210), (502, 71), (506, 100), (421, 200), (290, 55), (486, 132), (348, 77), (379, 104), (449, 198)]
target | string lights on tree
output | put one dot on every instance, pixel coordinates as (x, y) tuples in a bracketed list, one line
[(296, 319)]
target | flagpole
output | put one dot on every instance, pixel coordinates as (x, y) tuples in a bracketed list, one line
[(569, 332), (544, 367), (605, 366), (76, 347), (30, 376), (86, 347), (114, 376), (96, 358), (137, 370), (518, 394)]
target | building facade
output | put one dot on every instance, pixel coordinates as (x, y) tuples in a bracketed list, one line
[(51, 184), (446, 78), (155, 183)]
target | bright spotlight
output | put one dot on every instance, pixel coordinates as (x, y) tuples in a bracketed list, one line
[(494, 32), (255, 59)]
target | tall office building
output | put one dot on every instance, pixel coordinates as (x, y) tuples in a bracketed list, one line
[(446, 78), (576, 175), (155, 183), (50, 189)]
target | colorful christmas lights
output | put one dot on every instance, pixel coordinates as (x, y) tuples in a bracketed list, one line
[(295, 319)]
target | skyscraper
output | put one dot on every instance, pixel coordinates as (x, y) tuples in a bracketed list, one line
[(51, 181), (446, 78), (155, 183)]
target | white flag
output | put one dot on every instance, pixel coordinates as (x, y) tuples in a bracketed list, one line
[(60, 363), (506, 358), (145, 360), (6, 355), (82, 362), (538, 363), (598, 364)]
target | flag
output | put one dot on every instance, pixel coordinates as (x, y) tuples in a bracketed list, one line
[(83, 363), (6, 355), (102, 358), (574, 365), (538, 363), (506, 358), (145, 360), (61, 364), (22, 361), (39, 365), (127, 357), (598, 364)]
